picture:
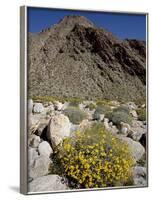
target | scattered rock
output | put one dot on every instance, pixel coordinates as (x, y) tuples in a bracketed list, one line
[(84, 125), (134, 113), (47, 183), (135, 147), (101, 118), (106, 125), (40, 166), (131, 106), (143, 106), (45, 149), (38, 107), (65, 105), (113, 130), (34, 140), (32, 155), (51, 107), (124, 128), (58, 129), (137, 130), (140, 175), (58, 105)]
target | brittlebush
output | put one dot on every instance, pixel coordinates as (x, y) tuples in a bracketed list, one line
[(95, 159)]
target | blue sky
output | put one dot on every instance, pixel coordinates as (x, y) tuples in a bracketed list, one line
[(132, 26)]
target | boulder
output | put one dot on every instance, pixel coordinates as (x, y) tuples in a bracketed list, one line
[(34, 140), (58, 129), (134, 113), (30, 106), (32, 155), (58, 105), (101, 118), (135, 147), (65, 105), (51, 107), (40, 167), (132, 106), (124, 128), (47, 183), (137, 130), (140, 176), (45, 149), (38, 108)]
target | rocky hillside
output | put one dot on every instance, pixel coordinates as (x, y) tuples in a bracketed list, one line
[(77, 59)]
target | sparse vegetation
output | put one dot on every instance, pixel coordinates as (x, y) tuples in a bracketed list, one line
[(75, 114), (121, 109), (117, 117), (141, 114), (95, 158), (91, 106), (100, 110)]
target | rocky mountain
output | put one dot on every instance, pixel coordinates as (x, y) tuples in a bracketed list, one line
[(77, 59)]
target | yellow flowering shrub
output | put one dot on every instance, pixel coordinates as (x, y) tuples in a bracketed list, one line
[(95, 159)]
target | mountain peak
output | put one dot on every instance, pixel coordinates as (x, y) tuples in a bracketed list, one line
[(76, 19)]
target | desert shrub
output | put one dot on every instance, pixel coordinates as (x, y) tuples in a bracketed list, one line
[(74, 101), (46, 99), (91, 106), (117, 117), (100, 110), (141, 114), (102, 102), (95, 158), (121, 109), (75, 114), (140, 101)]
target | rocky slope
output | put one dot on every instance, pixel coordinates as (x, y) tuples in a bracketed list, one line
[(49, 126), (74, 58)]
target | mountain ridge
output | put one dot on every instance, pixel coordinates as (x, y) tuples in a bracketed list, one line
[(77, 59)]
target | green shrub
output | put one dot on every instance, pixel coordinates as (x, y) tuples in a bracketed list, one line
[(100, 110), (102, 102), (141, 114), (95, 158), (91, 106), (117, 117), (121, 109), (75, 114), (74, 102), (140, 101)]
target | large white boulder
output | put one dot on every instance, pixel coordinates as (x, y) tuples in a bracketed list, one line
[(58, 129), (38, 108), (47, 183), (40, 167), (135, 147), (45, 149)]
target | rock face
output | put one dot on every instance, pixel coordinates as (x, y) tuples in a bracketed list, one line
[(58, 128), (47, 183), (92, 62)]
